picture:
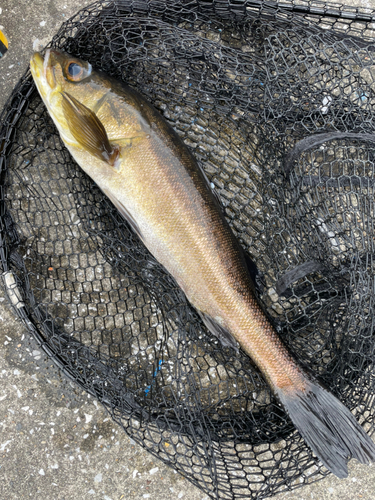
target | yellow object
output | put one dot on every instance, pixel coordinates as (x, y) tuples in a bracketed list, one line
[(3, 44)]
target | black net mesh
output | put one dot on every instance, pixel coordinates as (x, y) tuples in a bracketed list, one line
[(276, 102)]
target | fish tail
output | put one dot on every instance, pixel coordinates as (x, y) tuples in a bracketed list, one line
[(327, 426)]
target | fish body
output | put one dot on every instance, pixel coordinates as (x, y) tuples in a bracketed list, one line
[(141, 164)]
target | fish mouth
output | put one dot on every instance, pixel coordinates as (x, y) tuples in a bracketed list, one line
[(41, 68), (37, 65), (38, 61)]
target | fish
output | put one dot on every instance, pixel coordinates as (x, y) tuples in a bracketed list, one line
[(141, 164)]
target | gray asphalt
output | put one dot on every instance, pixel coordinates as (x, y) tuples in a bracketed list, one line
[(56, 442)]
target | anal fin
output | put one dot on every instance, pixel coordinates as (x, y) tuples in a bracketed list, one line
[(225, 337)]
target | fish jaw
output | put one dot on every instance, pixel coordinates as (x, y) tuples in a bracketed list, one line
[(43, 75), (50, 91)]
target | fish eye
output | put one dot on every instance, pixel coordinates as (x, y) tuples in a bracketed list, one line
[(74, 71)]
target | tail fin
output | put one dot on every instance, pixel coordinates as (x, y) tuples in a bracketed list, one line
[(328, 427)]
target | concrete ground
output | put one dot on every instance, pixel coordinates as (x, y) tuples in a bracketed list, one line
[(57, 443)]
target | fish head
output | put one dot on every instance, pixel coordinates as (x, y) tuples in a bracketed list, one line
[(57, 74), (61, 77)]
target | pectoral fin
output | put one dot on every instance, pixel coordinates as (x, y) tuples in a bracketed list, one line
[(88, 130)]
